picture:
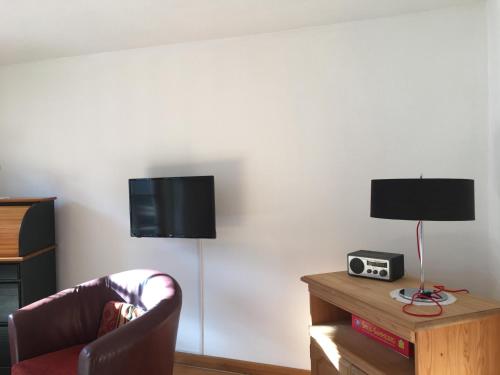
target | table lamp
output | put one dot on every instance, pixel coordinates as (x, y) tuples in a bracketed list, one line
[(422, 199)]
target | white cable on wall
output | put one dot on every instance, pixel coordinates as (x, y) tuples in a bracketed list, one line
[(202, 295)]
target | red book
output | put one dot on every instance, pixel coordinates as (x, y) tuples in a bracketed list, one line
[(384, 337)]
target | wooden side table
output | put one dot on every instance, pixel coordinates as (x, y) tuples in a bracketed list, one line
[(465, 339)]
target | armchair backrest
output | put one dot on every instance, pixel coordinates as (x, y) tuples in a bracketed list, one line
[(143, 288)]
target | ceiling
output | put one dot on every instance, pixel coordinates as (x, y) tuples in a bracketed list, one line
[(33, 30)]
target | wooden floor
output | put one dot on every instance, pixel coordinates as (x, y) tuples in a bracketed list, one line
[(188, 370)]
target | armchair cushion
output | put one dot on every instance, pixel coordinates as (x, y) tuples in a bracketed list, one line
[(116, 314), (62, 362)]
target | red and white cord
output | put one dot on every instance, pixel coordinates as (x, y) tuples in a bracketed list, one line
[(433, 295)]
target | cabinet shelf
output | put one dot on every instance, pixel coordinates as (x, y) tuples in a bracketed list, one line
[(339, 340)]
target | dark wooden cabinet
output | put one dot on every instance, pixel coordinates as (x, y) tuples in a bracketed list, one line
[(27, 260), (4, 352)]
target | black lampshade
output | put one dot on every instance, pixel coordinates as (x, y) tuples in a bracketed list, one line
[(438, 199)]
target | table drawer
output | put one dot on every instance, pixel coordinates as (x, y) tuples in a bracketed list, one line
[(9, 271), (4, 348), (9, 300)]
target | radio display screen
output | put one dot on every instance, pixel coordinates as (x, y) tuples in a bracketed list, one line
[(377, 264)]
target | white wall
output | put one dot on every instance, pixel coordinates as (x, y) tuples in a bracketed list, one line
[(493, 11), (293, 125)]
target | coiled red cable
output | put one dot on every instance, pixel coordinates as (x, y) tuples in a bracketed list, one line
[(432, 295)]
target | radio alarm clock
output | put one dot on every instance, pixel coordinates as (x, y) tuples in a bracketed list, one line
[(376, 265)]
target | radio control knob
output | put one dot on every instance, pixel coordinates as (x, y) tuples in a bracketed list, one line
[(383, 273), (356, 265)]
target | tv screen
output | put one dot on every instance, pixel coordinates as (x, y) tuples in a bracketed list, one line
[(181, 207)]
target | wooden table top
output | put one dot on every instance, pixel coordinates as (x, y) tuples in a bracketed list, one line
[(372, 299), (25, 199)]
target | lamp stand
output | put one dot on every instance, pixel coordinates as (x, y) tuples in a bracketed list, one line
[(408, 293), (202, 294)]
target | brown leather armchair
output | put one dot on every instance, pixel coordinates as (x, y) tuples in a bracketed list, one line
[(58, 335)]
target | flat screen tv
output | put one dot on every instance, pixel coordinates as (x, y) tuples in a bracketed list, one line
[(182, 207)]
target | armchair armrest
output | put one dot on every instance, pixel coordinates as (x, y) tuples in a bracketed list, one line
[(64, 319), (144, 346)]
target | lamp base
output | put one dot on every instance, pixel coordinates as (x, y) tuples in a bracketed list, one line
[(408, 293)]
